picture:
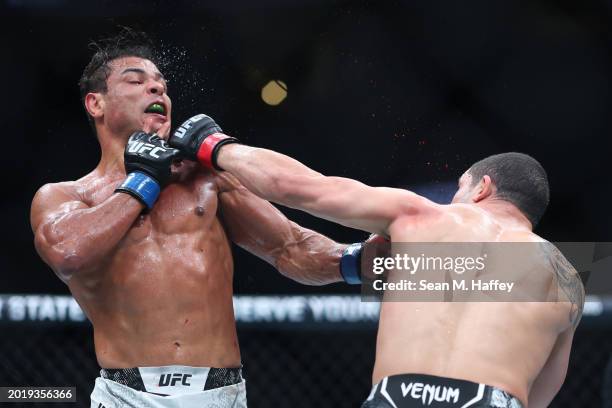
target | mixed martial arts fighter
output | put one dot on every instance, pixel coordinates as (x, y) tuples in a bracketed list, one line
[(143, 243), (436, 354)]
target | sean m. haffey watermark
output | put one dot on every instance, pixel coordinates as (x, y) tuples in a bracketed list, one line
[(408, 265)]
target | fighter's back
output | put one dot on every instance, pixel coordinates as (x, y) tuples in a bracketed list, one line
[(502, 344)]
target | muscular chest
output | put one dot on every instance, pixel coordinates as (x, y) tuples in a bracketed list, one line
[(182, 207), (188, 204)]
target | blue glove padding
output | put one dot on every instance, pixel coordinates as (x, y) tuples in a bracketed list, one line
[(142, 187), (350, 264)]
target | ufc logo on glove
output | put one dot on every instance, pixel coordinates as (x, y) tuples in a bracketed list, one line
[(180, 132), (141, 147)]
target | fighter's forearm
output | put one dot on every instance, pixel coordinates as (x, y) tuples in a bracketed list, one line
[(283, 180), (311, 258), (77, 239), (266, 173), (260, 228)]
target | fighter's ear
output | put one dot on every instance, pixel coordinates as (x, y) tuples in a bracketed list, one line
[(94, 103), (484, 189)]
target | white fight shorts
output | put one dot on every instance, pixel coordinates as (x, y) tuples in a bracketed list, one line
[(170, 387)]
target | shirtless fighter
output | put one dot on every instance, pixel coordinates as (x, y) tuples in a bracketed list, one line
[(144, 246), (468, 354)]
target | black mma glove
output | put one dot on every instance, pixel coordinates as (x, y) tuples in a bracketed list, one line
[(147, 163)]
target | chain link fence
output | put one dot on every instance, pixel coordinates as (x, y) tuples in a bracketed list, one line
[(283, 368)]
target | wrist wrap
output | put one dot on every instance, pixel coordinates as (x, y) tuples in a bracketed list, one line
[(207, 153), (350, 264), (142, 187)]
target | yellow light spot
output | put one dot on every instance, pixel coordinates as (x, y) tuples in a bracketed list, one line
[(274, 92)]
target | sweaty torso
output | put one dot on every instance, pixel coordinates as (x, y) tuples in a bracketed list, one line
[(503, 344), (164, 295)]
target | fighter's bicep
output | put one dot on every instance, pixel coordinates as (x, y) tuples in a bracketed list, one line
[(361, 206), (253, 223), (50, 204)]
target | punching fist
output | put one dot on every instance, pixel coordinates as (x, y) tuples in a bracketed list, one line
[(200, 138), (356, 261)]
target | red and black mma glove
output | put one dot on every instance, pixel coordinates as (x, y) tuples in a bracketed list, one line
[(199, 138), (356, 255), (147, 160)]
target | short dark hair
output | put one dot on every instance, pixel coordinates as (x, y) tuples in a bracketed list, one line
[(519, 178), (126, 43)]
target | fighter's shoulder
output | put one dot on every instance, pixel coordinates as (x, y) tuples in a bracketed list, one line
[(52, 197), (567, 279), (62, 191), (465, 213), (562, 267)]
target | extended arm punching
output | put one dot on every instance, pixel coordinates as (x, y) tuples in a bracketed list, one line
[(256, 225), (286, 181)]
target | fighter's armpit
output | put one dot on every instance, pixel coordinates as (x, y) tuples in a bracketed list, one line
[(568, 280)]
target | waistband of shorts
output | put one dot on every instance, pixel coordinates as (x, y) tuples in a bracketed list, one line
[(167, 380), (422, 390)]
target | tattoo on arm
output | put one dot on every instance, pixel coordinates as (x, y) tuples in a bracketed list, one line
[(569, 281)]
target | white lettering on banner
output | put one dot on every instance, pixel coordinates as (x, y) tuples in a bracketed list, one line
[(242, 311), (270, 309), (593, 307), (338, 308), (46, 309), (248, 309), (278, 309), (297, 309), (262, 310), (75, 312), (41, 308), (63, 304), (317, 306), (31, 306), (16, 308)]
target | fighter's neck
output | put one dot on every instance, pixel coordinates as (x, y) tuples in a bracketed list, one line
[(505, 213), (111, 160)]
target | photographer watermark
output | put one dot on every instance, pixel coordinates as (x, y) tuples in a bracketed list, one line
[(487, 272)]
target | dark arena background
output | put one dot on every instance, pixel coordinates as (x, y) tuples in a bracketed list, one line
[(394, 93)]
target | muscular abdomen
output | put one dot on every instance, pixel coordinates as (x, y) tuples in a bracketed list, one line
[(165, 296)]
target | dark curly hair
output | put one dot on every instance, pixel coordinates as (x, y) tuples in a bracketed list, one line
[(126, 43)]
